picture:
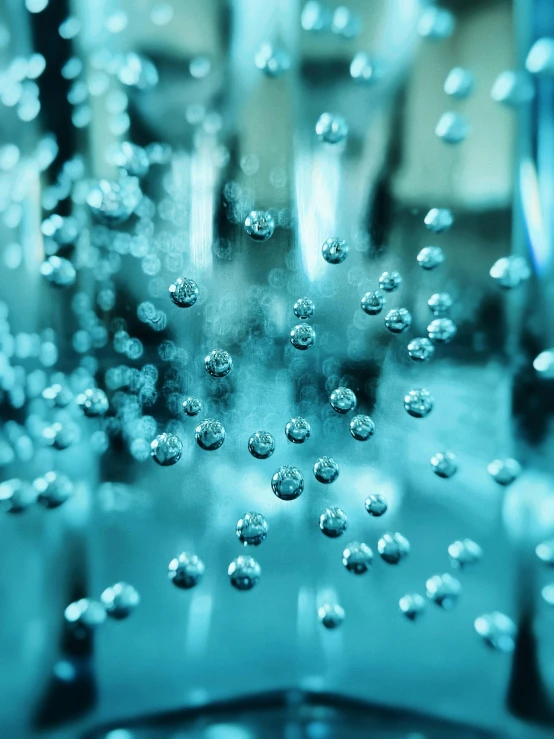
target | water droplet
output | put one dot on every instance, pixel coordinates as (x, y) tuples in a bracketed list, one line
[(373, 302), (331, 128), (443, 590), (166, 449), (273, 62), (93, 402), (540, 59), (419, 402), (438, 220), (287, 483), (509, 272), (439, 303), (513, 89), (113, 202), (390, 281), (186, 570), (545, 552), (342, 400), (334, 250), (441, 330), (53, 489), (364, 68), (192, 406), (183, 292), (333, 522), (218, 363), (393, 548), (452, 128), (376, 505), (464, 553), (261, 445), (412, 605), (331, 615), (544, 364), (398, 320), (430, 257), (209, 434), (252, 529), (436, 24), (304, 308), (58, 271), (16, 496), (84, 615), (362, 428), (497, 630), (504, 471), (120, 600), (420, 350), (259, 225), (297, 430), (357, 557), (326, 470), (244, 573), (302, 336), (459, 83), (444, 464)]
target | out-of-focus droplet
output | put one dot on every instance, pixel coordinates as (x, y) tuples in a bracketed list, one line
[(252, 529), (357, 557), (304, 308), (453, 128), (36, 6), (58, 271), (186, 570), (302, 336), (259, 225), (191, 406), (333, 522), (513, 88), (418, 402), (161, 14), (16, 496), (543, 364), (132, 159), (460, 83), (297, 430), (439, 220), (444, 464), (209, 434), (218, 363), (393, 548), (509, 272), (261, 445), (326, 470), (287, 482), (184, 292), (373, 303), (84, 615), (540, 59), (443, 590), (113, 202), (441, 330), (331, 615), (439, 303), (398, 320), (244, 573), (504, 471), (53, 489), (273, 62), (436, 24), (412, 605), (93, 402), (545, 552), (200, 67), (342, 400), (362, 427), (430, 257), (366, 69), (464, 553), (376, 505), (334, 250), (166, 449), (420, 349), (547, 594), (497, 630), (120, 600), (331, 128)]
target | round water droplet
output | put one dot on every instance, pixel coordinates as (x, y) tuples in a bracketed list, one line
[(420, 350), (183, 292), (244, 573), (261, 445), (464, 553), (452, 128), (191, 406), (430, 257), (398, 320), (83, 616), (252, 529), (259, 225), (373, 303), (444, 464), (333, 522), (16, 496), (334, 250), (545, 552), (273, 62), (376, 505), (497, 630), (331, 615), (393, 548), (459, 84), (186, 570), (218, 363), (342, 400), (166, 449), (357, 557), (326, 470), (287, 482), (53, 489), (304, 308), (331, 128), (412, 605), (439, 303), (58, 271), (209, 434), (438, 220), (419, 402), (362, 428), (443, 590), (93, 402), (504, 471), (302, 336), (120, 600), (297, 430), (441, 330), (390, 281)]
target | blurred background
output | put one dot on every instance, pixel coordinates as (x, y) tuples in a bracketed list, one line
[(218, 138)]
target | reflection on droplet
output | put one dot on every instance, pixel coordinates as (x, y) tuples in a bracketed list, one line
[(444, 464), (464, 553), (244, 573), (120, 600), (331, 128), (412, 605), (331, 615), (333, 522), (186, 570), (497, 630), (393, 548), (443, 590), (357, 557), (504, 471)]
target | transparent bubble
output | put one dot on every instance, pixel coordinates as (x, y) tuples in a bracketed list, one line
[(218, 363), (93, 402), (331, 128), (166, 449), (376, 505), (334, 250), (398, 320), (191, 406), (209, 434), (113, 202), (443, 590), (331, 615), (326, 470), (252, 529), (420, 349), (83, 616), (287, 483), (419, 402), (58, 271), (436, 24), (16, 496), (463, 553), (390, 281), (497, 630), (297, 430), (373, 303), (543, 364), (393, 548), (362, 428), (259, 225), (441, 330), (509, 272), (545, 552), (244, 573), (53, 489), (513, 88), (357, 557), (304, 308), (183, 292), (302, 336), (412, 605), (186, 570), (439, 303), (120, 600), (274, 62), (453, 128), (57, 395), (444, 464), (261, 445), (342, 400), (459, 84), (366, 69), (430, 257), (540, 59), (333, 522), (504, 471)]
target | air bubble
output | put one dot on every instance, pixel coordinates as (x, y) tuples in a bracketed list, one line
[(326, 470), (53, 489), (362, 428), (509, 272), (166, 449), (459, 84), (186, 570), (304, 308), (273, 62), (333, 522), (504, 471), (302, 336), (393, 548), (497, 630), (298, 430), (452, 128), (331, 615), (334, 250), (398, 320), (441, 330), (287, 483), (412, 605), (430, 257), (93, 402), (183, 292), (464, 553), (332, 129), (438, 220), (342, 400), (58, 271), (420, 349), (373, 303), (209, 434), (376, 505), (191, 406), (120, 600), (443, 590), (218, 363), (444, 464), (419, 402), (357, 557), (259, 225), (261, 445), (439, 303), (244, 573), (252, 529)]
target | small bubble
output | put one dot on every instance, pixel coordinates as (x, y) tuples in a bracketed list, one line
[(513, 89), (331, 615), (547, 594), (464, 553), (132, 159), (218, 363), (57, 395), (412, 605), (302, 336), (366, 69), (390, 281), (259, 225), (543, 364), (459, 84), (439, 303), (398, 320), (418, 403), (186, 570), (357, 557), (393, 548), (120, 600), (166, 449), (244, 573), (297, 430), (373, 302), (261, 445), (444, 464), (342, 400), (441, 330), (497, 630), (420, 350), (183, 292), (443, 590), (84, 615), (252, 529), (53, 489), (70, 28), (16, 496), (334, 250), (376, 505), (161, 14), (274, 62), (326, 470), (113, 202), (362, 428), (545, 552), (436, 24), (200, 67), (93, 402), (509, 272), (191, 406), (504, 471), (333, 522), (430, 257), (58, 271), (452, 128), (304, 308), (209, 434), (287, 483), (331, 128)]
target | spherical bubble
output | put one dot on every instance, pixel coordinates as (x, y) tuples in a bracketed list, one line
[(444, 464), (272, 61), (497, 630), (545, 552), (376, 505), (390, 281), (183, 292), (509, 272), (393, 548), (93, 402), (192, 406), (459, 83), (331, 128), (430, 257), (453, 128), (419, 402), (326, 470), (209, 434), (113, 202), (302, 336), (420, 349), (439, 303), (398, 320), (287, 482), (342, 400), (83, 616), (362, 428), (504, 471), (120, 600), (186, 570), (438, 220), (218, 363), (261, 445), (373, 302), (334, 250), (464, 553), (244, 573), (441, 330), (333, 522), (297, 430), (259, 225), (443, 590), (357, 557), (331, 615), (412, 605), (252, 529), (16, 496), (53, 489), (304, 308), (166, 449), (58, 271)]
